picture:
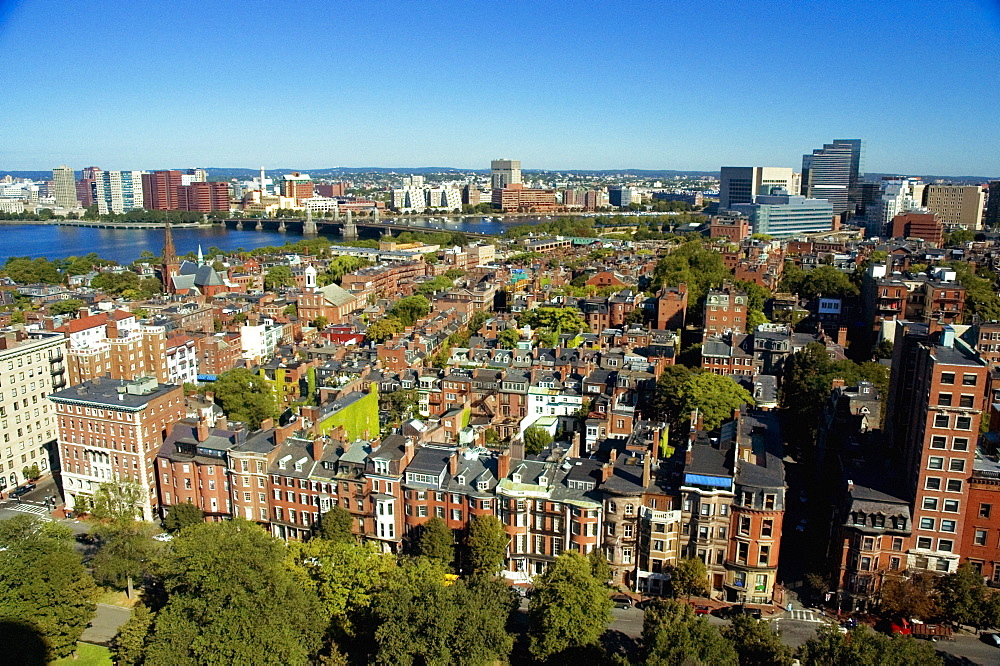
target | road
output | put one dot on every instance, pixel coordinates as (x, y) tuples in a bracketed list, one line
[(105, 624)]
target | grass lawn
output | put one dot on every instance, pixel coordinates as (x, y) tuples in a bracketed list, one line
[(87, 655)]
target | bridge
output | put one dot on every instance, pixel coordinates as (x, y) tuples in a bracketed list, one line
[(97, 224), (328, 225)]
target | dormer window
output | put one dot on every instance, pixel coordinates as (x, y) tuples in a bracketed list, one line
[(461, 479), (483, 484), (515, 477), (543, 480)]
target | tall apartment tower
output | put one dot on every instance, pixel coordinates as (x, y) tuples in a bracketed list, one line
[(118, 191), (992, 217), (739, 185), (64, 184), (833, 173), (159, 189), (505, 173), (956, 205), (936, 395)]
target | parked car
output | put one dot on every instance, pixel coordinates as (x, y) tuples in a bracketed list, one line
[(702, 610), (734, 611), (622, 601), (26, 488), (992, 639)]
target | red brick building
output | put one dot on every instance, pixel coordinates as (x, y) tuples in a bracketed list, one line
[(159, 189), (671, 307), (918, 225), (203, 197)]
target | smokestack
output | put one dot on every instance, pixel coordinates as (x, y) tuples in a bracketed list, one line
[(202, 431), (503, 464)]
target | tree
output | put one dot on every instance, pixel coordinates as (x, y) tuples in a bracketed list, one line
[(600, 569), (43, 583), (400, 404), (508, 339), (714, 396), (277, 277), (383, 329), (118, 500), (182, 515), (963, 595), (820, 281), (436, 542), (409, 309), (864, 646), (31, 472), (220, 580), (25, 270), (689, 577), (960, 237), (128, 647), (126, 553), (570, 608), (487, 543), (883, 350), (673, 635), (245, 397), (666, 403), (909, 597), (435, 284), (480, 636), (66, 306), (116, 283), (320, 322), (566, 320), (536, 439), (336, 526), (756, 644)]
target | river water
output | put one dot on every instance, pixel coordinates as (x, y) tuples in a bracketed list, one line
[(125, 245)]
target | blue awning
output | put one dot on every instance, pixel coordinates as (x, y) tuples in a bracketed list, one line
[(706, 480), (207, 378)]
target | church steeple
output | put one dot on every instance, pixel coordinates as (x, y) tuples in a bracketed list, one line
[(170, 265)]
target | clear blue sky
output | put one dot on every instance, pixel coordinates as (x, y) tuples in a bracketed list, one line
[(562, 85)]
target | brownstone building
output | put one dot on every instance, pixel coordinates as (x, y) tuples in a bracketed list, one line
[(671, 307)]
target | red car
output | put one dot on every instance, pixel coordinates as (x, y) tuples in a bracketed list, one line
[(702, 610)]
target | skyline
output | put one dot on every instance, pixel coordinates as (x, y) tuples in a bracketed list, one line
[(669, 88)]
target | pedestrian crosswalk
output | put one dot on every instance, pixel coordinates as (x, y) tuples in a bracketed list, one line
[(804, 616), (40, 511)]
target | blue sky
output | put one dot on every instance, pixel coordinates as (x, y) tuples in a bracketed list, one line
[(561, 85)]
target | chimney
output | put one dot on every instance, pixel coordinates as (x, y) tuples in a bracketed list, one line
[(647, 472), (837, 383), (221, 422), (453, 462), (948, 336), (203, 430), (842, 336), (267, 424), (317, 448), (574, 446), (503, 464), (408, 450), (607, 469)]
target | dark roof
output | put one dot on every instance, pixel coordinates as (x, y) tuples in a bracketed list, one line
[(114, 393)]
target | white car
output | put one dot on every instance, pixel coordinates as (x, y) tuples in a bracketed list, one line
[(163, 537)]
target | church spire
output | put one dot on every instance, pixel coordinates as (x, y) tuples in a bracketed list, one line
[(169, 252), (201, 257)]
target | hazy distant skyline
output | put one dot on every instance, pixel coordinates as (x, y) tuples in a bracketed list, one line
[(589, 85)]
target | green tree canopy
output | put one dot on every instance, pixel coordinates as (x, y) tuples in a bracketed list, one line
[(672, 635), (755, 642), (25, 270), (864, 646), (822, 280), (600, 568), (487, 545), (714, 396), (409, 309), (437, 283), (695, 265), (42, 583), (126, 552), (336, 526), (128, 647), (118, 500), (508, 339), (436, 542), (383, 329), (182, 515), (116, 283), (221, 579), (245, 397), (689, 577), (536, 439), (277, 277), (564, 320), (66, 306), (570, 608)]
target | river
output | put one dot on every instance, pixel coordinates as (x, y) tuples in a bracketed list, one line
[(125, 245)]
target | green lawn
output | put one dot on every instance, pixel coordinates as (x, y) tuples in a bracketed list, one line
[(88, 655)]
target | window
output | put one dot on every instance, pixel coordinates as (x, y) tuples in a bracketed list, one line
[(705, 509), (945, 545), (868, 543), (923, 542), (935, 462), (966, 401), (947, 377), (963, 423), (744, 526), (766, 528), (866, 563), (939, 442), (944, 399), (947, 525), (927, 523), (769, 501), (941, 421), (984, 510), (956, 465), (954, 485), (626, 555), (968, 380), (951, 506), (930, 503), (897, 543), (932, 483), (763, 555), (742, 552), (960, 444), (894, 563)]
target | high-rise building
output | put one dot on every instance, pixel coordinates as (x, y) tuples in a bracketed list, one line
[(118, 191), (936, 396), (132, 419), (899, 195), (505, 173), (622, 197), (956, 205), (159, 189), (739, 185), (782, 214), (992, 217), (202, 197), (197, 175), (26, 415), (64, 184), (297, 186), (833, 173)]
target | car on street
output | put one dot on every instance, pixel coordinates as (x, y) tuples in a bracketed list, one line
[(734, 611), (163, 537), (992, 639), (622, 601), (702, 610), (21, 490)]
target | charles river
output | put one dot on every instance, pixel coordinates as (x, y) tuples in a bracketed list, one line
[(124, 245)]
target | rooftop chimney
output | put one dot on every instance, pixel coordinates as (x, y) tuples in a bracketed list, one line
[(948, 336), (203, 430), (503, 464), (647, 472), (453, 462), (221, 422), (408, 450), (317, 448)]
